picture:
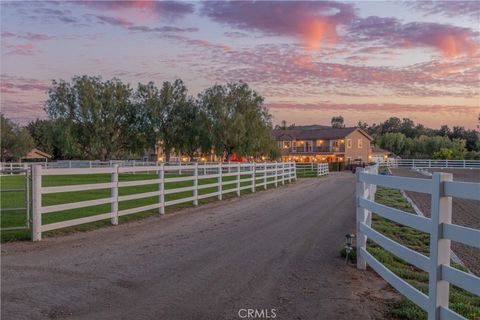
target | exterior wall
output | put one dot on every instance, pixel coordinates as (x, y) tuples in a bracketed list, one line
[(356, 152)]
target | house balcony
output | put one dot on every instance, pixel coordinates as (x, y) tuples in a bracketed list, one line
[(313, 149)]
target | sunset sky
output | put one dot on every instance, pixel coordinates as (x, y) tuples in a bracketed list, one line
[(310, 60)]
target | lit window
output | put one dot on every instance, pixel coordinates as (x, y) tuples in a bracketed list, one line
[(349, 143), (360, 143)]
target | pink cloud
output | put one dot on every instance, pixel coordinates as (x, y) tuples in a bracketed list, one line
[(381, 107), (27, 49), (121, 22), (450, 40), (142, 9), (446, 8), (291, 72), (10, 84), (313, 23), (37, 37)]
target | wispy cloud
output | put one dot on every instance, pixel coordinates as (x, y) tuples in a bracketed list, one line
[(447, 8)]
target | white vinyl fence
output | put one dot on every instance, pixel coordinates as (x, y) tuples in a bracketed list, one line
[(252, 175), (430, 163), (439, 226), (312, 168)]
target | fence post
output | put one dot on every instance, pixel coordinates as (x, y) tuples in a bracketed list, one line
[(361, 217), (195, 185), (161, 188), (220, 171), (253, 177), (238, 179), (265, 176), (283, 173), (36, 202), (438, 289), (276, 174), (289, 172), (114, 194)]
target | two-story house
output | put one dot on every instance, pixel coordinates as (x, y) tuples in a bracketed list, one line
[(303, 144)]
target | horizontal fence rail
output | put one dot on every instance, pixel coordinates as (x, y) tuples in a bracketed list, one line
[(439, 226), (220, 178), (430, 163), (312, 168)]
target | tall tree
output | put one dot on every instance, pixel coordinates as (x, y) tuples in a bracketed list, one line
[(15, 141), (191, 130), (337, 122), (99, 114), (362, 125), (161, 111), (239, 123)]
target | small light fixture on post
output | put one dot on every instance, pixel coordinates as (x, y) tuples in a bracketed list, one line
[(348, 245)]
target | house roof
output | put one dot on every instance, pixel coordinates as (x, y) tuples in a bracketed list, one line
[(312, 134), (380, 150), (37, 154)]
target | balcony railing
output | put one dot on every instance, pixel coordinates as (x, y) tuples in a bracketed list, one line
[(314, 149)]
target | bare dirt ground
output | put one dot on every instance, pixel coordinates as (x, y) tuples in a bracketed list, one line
[(465, 212), (274, 249)]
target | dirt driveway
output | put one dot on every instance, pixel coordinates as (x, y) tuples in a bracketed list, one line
[(276, 249)]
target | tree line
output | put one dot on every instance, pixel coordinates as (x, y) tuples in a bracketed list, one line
[(409, 140), (89, 118)]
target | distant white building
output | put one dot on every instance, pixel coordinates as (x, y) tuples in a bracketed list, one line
[(379, 155)]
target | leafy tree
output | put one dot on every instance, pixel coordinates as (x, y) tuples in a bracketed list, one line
[(393, 141), (98, 114), (160, 110), (457, 151), (238, 122), (191, 130), (393, 124), (337, 122), (362, 125), (408, 128), (41, 132), (15, 141), (444, 131), (282, 126)]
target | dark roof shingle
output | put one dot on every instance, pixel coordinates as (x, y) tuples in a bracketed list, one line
[(312, 134)]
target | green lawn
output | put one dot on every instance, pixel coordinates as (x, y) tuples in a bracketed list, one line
[(9, 200), (461, 301)]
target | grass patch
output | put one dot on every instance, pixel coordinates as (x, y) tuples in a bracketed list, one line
[(461, 301), (17, 199)]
